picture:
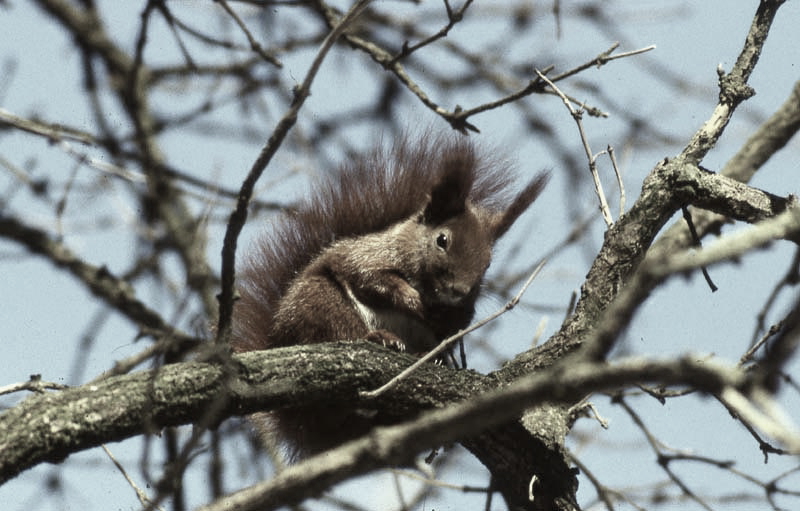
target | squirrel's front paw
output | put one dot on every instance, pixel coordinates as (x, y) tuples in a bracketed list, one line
[(387, 339), (411, 302)]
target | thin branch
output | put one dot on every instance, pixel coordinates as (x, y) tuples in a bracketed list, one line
[(35, 384), (613, 157), (697, 243), (99, 280), (254, 45), (453, 17), (791, 278), (53, 132), (601, 60), (140, 494), (760, 410), (663, 460), (786, 225), (576, 116), (536, 86), (458, 117)]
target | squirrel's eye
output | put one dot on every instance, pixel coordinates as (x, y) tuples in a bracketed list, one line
[(442, 241)]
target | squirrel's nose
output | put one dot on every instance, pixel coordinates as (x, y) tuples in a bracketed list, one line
[(460, 290), (455, 294)]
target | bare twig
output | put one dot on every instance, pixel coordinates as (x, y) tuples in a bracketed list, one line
[(592, 158), (100, 281), (453, 17), (53, 132), (696, 242), (613, 156), (254, 45), (140, 494), (35, 384), (601, 60)]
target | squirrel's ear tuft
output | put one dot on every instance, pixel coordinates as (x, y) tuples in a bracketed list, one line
[(501, 222), (448, 198)]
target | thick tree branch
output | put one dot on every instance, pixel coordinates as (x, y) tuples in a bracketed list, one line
[(768, 139), (627, 242), (733, 86), (670, 185), (391, 445), (655, 270), (49, 427)]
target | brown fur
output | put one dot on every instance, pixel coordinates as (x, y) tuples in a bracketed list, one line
[(393, 248)]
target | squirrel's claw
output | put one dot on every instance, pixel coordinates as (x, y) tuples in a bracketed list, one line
[(387, 339)]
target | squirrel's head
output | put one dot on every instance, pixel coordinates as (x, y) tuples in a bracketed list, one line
[(455, 237)]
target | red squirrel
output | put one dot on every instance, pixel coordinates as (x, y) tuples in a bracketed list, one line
[(392, 248)]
